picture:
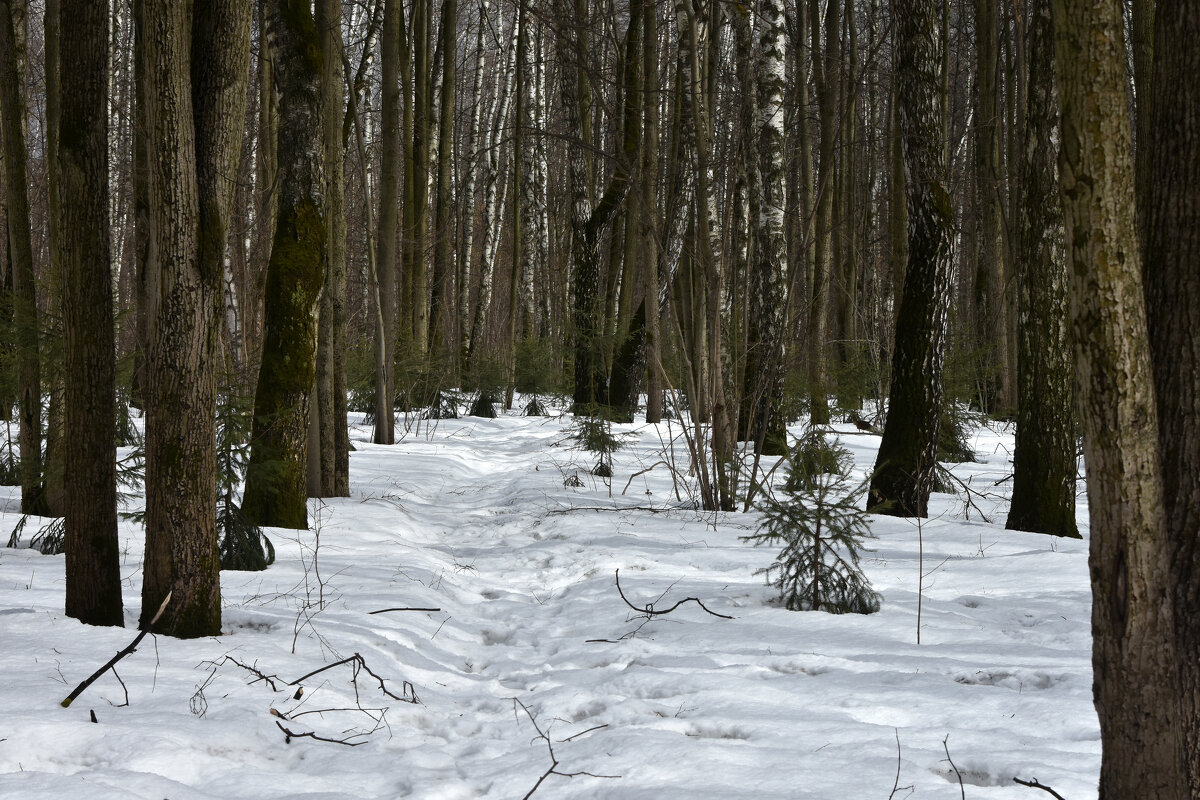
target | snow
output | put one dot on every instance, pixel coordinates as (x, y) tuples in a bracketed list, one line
[(471, 517)]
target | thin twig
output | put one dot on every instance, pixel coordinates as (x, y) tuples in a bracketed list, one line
[(648, 609), (386, 610), (131, 647), (896, 783), (962, 790), (651, 509), (290, 734), (553, 770), (581, 733), (259, 676), (642, 472), (1033, 784), (410, 695)]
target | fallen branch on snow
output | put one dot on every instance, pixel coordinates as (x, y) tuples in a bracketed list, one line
[(1033, 784), (553, 758), (650, 611), (131, 647)]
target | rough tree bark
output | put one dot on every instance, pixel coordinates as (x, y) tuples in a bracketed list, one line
[(1043, 498), (196, 70), (1133, 652), (1172, 272), (907, 457), (20, 251), (276, 476), (92, 550)]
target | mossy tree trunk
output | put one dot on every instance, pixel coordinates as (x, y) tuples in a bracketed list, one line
[(276, 476), (93, 591), (1172, 218), (20, 251), (1043, 498), (907, 457), (1133, 650), (196, 73)]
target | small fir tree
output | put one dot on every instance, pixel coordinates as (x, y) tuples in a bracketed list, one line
[(817, 520), (594, 434)]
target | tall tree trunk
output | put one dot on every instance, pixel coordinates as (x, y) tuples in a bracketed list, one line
[(1133, 653), (467, 180), (328, 439), (588, 221), (907, 457), (648, 232), (1172, 218), (389, 210), (417, 264), (441, 324), (275, 478), (827, 62), (20, 249), (93, 559), (54, 487), (1043, 498), (196, 68), (991, 321), (767, 308)]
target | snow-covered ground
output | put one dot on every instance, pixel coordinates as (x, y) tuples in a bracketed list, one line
[(471, 517)]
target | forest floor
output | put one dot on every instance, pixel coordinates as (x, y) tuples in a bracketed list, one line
[(531, 671)]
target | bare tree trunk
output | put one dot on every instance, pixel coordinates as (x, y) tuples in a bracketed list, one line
[(20, 251), (907, 457), (491, 217), (441, 324), (1133, 653), (648, 233), (93, 561), (1173, 305), (466, 226), (275, 478), (385, 238), (991, 321), (1043, 498), (827, 61), (196, 97)]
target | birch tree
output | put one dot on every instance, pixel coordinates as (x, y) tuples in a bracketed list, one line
[(904, 468)]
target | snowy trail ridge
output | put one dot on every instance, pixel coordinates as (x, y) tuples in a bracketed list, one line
[(471, 517)]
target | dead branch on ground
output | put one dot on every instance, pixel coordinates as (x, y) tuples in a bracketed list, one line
[(554, 762), (130, 648), (359, 664), (1033, 784), (650, 611)]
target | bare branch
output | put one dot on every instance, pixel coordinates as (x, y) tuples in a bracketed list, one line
[(553, 770), (386, 610), (130, 648), (290, 734), (1033, 784), (648, 609)]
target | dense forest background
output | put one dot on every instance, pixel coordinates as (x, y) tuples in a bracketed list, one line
[(247, 219)]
